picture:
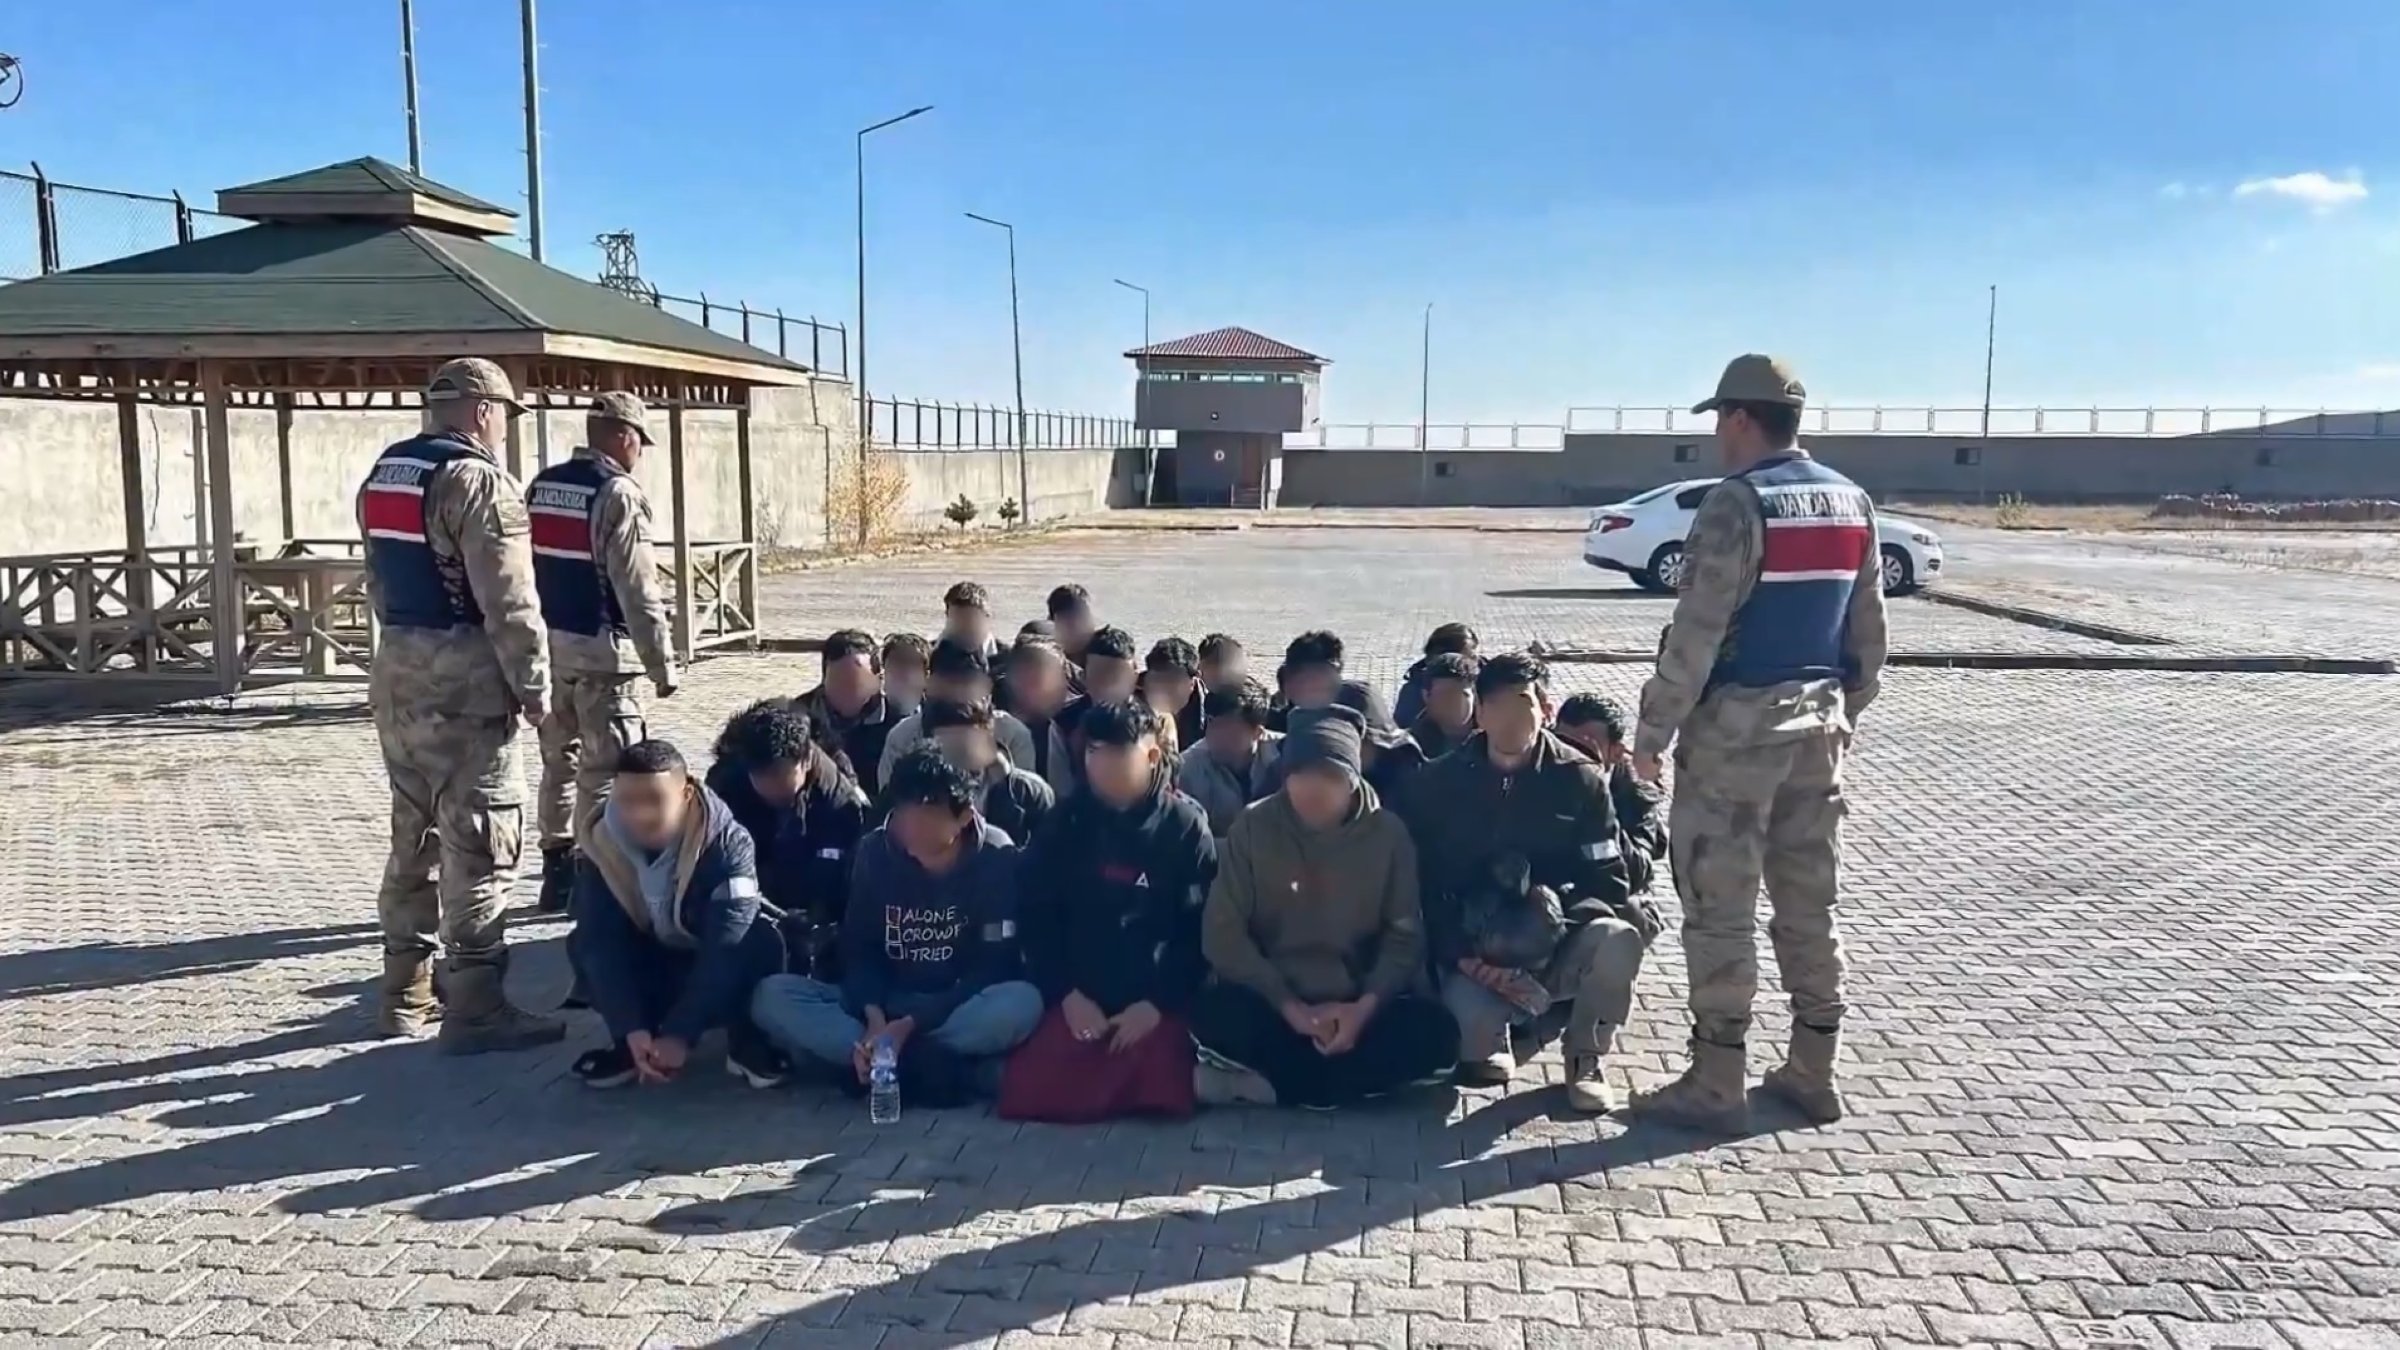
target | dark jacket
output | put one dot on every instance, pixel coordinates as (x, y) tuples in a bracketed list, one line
[(1065, 773), (1316, 915), (1113, 900), (1220, 789), (1393, 762), (1463, 813), (1430, 737), (937, 939), (1410, 705), (806, 870), (717, 899), (1013, 801), (1641, 810), (856, 741), (1357, 695), (1190, 720)]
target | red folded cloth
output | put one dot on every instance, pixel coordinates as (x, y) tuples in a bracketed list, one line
[(1054, 1077)]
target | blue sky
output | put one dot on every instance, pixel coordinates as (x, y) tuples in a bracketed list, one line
[(2181, 203)]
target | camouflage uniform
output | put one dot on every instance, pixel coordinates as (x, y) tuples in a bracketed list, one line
[(450, 575), (607, 615), (1760, 729)]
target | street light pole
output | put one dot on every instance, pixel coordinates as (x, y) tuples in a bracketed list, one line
[(1991, 333), (533, 189), (1141, 388), (864, 407), (1425, 407), (1016, 343), (533, 131), (408, 74)]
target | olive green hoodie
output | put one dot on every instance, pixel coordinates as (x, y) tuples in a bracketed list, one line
[(1316, 915)]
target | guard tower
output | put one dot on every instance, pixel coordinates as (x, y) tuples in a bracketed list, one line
[(1229, 396)]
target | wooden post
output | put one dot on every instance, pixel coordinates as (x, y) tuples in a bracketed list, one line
[(515, 453), (677, 484), (139, 597), (748, 512), (283, 461), (225, 587)]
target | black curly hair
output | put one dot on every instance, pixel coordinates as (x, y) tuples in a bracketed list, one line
[(923, 777), (770, 731)]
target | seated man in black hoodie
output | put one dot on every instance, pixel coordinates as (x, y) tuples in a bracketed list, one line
[(848, 711), (669, 940), (1071, 620), (1110, 674), (805, 815), (1516, 789), (1596, 726), (1113, 890), (1008, 798), (1039, 686), (1170, 680), (1451, 639), (1445, 703), (1311, 677)]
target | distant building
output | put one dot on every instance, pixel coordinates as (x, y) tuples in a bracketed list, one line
[(1229, 396)]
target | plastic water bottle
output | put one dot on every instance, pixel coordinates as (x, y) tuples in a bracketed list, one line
[(883, 1083)]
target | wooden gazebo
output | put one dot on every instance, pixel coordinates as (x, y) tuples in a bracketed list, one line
[(356, 280)]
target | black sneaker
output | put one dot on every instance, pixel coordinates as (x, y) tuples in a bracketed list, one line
[(760, 1065), (608, 1067)]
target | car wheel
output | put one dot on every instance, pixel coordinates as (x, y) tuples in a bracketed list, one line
[(1899, 574), (1665, 573)]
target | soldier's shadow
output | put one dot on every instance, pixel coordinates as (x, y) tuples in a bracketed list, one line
[(347, 1121), (1149, 1244)]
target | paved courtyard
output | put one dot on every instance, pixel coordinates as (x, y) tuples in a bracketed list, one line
[(2125, 1068)]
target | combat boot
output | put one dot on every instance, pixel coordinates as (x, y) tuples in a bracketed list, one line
[(480, 1019), (1712, 1094), (558, 879), (1805, 1078), (408, 1003)]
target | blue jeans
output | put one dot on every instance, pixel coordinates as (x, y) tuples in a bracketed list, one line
[(805, 1017)]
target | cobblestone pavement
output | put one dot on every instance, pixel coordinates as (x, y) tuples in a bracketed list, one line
[(2126, 1064), (2287, 593), (1263, 585)]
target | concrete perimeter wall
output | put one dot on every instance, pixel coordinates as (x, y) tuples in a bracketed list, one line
[(1597, 468), (65, 491)]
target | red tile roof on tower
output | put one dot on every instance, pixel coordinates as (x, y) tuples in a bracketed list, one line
[(1232, 344)]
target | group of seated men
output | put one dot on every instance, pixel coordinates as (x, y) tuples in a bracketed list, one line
[(1089, 885)]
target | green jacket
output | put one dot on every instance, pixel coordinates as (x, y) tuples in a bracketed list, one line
[(1318, 916)]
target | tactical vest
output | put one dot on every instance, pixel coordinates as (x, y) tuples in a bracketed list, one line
[(415, 586), (1819, 532), (564, 503)]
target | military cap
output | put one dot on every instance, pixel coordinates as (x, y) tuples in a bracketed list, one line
[(1755, 378), (619, 406), (472, 377)]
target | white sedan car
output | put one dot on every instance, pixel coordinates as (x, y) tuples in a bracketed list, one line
[(1643, 538)]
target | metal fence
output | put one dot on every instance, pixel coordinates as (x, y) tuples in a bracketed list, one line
[(914, 424), (820, 346), (47, 226), (1920, 420), (1960, 423)]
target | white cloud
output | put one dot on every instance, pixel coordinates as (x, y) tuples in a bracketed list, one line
[(2313, 189)]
